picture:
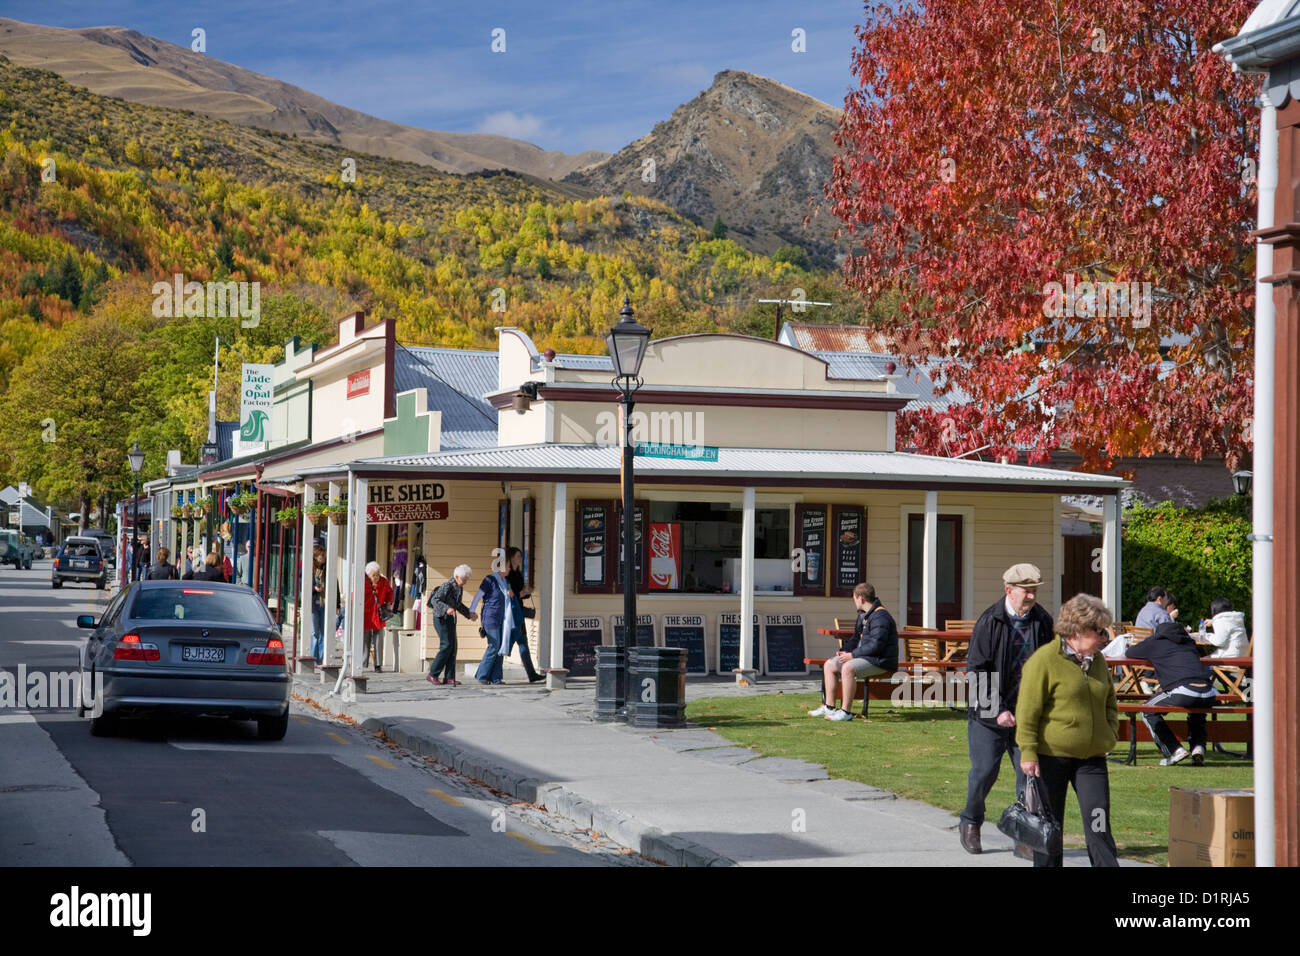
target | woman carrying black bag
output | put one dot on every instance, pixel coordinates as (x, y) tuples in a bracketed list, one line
[(1067, 720)]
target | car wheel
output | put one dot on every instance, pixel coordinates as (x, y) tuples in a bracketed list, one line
[(103, 726), (56, 584), (273, 728)]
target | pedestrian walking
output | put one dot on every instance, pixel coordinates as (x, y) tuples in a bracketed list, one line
[(164, 570), (1003, 639), (518, 634), (318, 603), (445, 603), (378, 607), (1067, 720), (498, 617)]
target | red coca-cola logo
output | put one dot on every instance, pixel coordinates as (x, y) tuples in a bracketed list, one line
[(661, 546)]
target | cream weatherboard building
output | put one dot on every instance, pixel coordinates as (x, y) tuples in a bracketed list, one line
[(804, 497)]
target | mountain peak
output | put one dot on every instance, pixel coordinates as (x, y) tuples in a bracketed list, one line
[(748, 149)]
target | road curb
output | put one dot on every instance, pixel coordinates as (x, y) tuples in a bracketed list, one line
[(625, 830)]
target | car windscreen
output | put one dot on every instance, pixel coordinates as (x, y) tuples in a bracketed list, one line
[(81, 549), (199, 604)]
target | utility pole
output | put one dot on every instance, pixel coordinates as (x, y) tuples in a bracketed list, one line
[(797, 303)]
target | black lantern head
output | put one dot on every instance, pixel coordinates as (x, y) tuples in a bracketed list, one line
[(136, 457), (1241, 482), (627, 343)]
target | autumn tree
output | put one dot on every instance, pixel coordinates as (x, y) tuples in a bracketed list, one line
[(997, 162)]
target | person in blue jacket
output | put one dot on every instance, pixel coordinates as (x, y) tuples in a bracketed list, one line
[(497, 621)]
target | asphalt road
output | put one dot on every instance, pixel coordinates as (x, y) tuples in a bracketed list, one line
[(207, 792)]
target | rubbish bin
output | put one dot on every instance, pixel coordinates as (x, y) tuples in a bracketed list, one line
[(656, 686), (610, 663)]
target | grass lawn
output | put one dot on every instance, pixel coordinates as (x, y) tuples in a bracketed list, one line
[(921, 753)]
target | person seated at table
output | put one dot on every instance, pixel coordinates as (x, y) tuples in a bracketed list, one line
[(1227, 631), (1155, 611), (872, 650), (1184, 682)]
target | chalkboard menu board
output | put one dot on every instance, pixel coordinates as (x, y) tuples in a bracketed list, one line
[(729, 643), (687, 630), (785, 644), (645, 630), (849, 545), (593, 540), (582, 635), (810, 527)]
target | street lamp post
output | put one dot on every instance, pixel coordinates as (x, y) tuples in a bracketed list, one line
[(136, 457), (627, 343)]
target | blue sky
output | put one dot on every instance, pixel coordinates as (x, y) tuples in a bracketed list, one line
[(574, 76)]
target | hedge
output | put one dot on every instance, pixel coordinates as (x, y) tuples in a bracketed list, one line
[(1198, 555)]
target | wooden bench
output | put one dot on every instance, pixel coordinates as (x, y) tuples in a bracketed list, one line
[(881, 686), (1230, 731)]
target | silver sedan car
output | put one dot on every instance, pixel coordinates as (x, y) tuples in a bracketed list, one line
[(185, 648)]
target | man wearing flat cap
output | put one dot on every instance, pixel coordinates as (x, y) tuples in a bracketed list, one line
[(1003, 639)]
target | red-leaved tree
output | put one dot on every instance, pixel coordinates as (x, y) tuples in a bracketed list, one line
[(996, 157)]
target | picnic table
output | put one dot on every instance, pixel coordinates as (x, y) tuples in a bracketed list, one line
[(1231, 670)]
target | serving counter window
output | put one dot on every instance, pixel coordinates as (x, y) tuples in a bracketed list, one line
[(695, 548)]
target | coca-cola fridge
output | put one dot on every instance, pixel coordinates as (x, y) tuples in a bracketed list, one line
[(665, 556)]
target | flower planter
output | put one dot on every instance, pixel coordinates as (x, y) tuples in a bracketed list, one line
[(317, 519), (337, 517)]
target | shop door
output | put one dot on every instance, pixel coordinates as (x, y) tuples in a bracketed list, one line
[(948, 568)]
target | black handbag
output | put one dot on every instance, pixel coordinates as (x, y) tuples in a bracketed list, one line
[(1035, 827)]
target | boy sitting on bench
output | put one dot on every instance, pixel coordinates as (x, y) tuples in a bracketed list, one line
[(872, 650)]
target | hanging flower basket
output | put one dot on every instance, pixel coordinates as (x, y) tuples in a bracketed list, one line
[(241, 503), (177, 511), (187, 510), (203, 507), (288, 517), (316, 513), (338, 514)]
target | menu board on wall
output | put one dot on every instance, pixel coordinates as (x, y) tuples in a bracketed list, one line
[(645, 630), (811, 528), (687, 631), (582, 635), (593, 541), (729, 643), (785, 644), (848, 546)]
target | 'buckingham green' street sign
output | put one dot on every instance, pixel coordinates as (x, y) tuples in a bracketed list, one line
[(687, 452)]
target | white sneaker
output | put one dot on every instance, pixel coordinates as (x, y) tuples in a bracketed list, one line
[(1178, 757), (1198, 755), (821, 711), (838, 714)]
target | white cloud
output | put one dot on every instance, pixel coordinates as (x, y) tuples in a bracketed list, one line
[(524, 126)]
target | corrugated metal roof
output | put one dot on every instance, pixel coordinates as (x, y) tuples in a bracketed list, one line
[(456, 381), (796, 464)]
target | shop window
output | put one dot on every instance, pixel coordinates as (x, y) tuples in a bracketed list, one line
[(695, 548)]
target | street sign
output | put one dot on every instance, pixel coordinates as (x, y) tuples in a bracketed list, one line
[(683, 452)]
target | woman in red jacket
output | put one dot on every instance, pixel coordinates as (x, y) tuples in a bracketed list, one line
[(378, 593)]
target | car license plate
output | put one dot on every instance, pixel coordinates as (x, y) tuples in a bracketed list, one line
[(80, 564), (205, 655)]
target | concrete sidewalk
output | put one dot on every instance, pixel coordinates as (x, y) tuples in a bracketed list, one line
[(684, 797)]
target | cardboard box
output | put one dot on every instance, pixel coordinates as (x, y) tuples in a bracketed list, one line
[(1211, 827)]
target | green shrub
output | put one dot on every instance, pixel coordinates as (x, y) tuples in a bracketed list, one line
[(1197, 555)]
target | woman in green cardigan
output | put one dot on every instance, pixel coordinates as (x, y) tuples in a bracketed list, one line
[(1067, 720)]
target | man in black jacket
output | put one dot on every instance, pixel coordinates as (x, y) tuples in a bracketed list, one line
[(1184, 682), (1003, 639), (872, 650)]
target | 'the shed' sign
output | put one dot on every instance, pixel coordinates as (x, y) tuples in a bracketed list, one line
[(392, 502)]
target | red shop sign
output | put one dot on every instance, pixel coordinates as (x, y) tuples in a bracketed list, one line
[(359, 384)]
